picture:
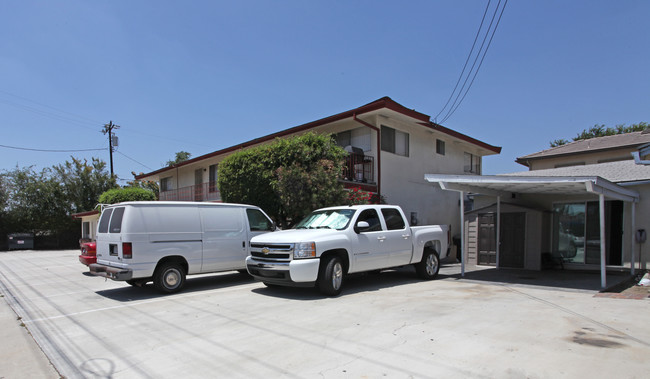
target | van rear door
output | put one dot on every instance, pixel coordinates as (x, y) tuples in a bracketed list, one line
[(108, 236)]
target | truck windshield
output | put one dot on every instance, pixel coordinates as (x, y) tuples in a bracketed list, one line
[(327, 219)]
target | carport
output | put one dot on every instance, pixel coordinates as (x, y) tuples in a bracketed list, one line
[(509, 186)]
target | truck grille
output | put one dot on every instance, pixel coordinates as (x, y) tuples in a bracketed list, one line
[(272, 252)]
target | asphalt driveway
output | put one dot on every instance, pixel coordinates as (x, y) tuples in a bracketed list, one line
[(383, 325)]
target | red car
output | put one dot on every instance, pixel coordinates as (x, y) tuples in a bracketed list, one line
[(88, 253)]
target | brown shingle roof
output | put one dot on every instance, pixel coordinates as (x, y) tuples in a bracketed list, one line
[(615, 172), (627, 140), (384, 102)]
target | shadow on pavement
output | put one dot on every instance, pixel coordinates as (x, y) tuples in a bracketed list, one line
[(355, 283), (568, 279), (192, 284)]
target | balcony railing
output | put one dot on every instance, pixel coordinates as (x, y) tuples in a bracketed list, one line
[(359, 168), (202, 192)]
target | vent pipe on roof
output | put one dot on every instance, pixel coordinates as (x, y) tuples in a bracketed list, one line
[(638, 160)]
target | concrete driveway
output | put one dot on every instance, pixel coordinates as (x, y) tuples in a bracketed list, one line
[(383, 325)]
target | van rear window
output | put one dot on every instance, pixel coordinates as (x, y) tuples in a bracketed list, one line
[(103, 223), (116, 220)]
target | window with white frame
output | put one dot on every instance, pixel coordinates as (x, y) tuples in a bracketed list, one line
[(359, 137), (472, 164), (394, 141), (166, 184), (440, 147)]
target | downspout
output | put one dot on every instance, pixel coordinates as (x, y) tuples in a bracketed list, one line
[(354, 117)]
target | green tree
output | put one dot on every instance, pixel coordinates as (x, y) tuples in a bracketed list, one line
[(149, 185), (83, 183), (287, 178), (118, 195), (181, 156), (602, 131), (43, 202), (37, 202)]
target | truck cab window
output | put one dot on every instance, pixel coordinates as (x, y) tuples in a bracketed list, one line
[(372, 218), (394, 220)]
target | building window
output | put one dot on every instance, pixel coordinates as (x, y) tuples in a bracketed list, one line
[(343, 139), (212, 177), (394, 141), (86, 230), (440, 147), (359, 137), (472, 164), (166, 184), (576, 232)]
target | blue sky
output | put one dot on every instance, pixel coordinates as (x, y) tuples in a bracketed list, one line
[(200, 76)]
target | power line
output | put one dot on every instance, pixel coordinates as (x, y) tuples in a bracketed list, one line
[(141, 164), (480, 63), (59, 114), (52, 151), (460, 96), (478, 33)]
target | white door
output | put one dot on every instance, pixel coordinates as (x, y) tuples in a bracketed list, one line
[(224, 239), (370, 251), (398, 237)]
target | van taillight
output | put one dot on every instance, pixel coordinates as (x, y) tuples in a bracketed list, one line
[(127, 250)]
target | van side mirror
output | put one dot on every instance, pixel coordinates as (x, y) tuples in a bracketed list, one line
[(361, 227)]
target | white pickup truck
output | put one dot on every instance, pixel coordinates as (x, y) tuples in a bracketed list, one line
[(333, 242)]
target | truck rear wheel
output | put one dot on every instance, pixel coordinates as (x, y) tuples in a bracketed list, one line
[(330, 280), (429, 266), (169, 278)]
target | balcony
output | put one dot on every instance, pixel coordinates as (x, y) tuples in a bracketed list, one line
[(202, 192), (359, 171)]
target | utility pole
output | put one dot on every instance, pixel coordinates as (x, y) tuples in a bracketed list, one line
[(108, 129)]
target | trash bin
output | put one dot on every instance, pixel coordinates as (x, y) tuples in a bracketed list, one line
[(459, 249), (20, 241)]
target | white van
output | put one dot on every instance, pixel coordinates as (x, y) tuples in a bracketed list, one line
[(164, 241)]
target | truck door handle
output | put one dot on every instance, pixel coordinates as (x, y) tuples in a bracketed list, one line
[(405, 236), (381, 239)]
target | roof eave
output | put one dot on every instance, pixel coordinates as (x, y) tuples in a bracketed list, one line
[(463, 137)]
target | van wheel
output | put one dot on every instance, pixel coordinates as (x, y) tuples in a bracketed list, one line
[(330, 280), (428, 268), (169, 278)]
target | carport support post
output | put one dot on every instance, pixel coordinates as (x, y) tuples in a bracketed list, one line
[(498, 239), (633, 229), (462, 234), (603, 255)]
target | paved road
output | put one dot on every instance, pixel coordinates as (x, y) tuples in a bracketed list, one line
[(385, 325)]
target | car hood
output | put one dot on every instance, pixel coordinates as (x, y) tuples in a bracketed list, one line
[(295, 235)]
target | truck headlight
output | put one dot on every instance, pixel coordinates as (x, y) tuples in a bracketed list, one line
[(304, 250)]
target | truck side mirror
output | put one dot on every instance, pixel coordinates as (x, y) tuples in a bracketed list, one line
[(361, 226)]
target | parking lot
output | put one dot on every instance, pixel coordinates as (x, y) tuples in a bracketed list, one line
[(382, 325)]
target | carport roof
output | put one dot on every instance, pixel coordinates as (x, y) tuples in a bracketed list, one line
[(498, 185)]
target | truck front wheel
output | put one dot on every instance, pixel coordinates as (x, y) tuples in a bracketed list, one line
[(169, 278), (428, 268), (330, 280)]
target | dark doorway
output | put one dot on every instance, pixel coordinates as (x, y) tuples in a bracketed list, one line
[(513, 240), (487, 247), (615, 233)]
